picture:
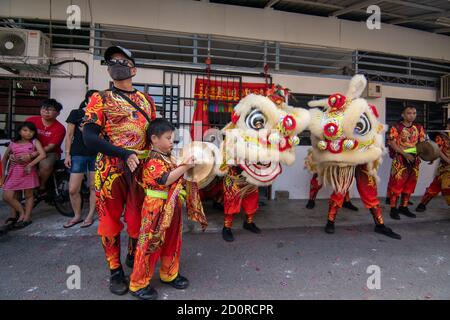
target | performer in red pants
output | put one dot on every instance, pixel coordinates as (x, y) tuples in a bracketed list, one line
[(160, 233), (347, 146), (405, 167), (441, 182), (238, 194), (314, 190), (115, 125), (367, 188)]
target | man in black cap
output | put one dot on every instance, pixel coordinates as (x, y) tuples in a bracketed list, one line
[(115, 125)]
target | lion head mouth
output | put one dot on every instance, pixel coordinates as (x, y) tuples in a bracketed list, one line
[(263, 173)]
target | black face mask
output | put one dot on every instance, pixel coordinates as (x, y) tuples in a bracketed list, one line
[(119, 72)]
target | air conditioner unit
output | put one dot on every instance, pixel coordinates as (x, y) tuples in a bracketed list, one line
[(445, 88), (20, 47), (373, 90)]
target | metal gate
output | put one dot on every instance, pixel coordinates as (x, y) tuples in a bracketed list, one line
[(182, 97), (197, 94)]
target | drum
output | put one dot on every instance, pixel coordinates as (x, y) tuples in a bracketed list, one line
[(426, 150)]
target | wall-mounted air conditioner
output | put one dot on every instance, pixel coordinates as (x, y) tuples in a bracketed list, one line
[(22, 46), (373, 90)]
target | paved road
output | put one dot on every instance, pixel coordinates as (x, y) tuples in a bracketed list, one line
[(292, 263)]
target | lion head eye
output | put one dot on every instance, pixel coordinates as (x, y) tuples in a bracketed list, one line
[(255, 120), (363, 126)]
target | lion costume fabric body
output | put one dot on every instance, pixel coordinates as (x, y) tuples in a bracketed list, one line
[(347, 142)]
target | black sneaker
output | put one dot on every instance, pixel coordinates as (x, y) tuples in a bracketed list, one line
[(350, 206), (179, 282), (129, 261), (329, 228), (118, 283), (382, 229), (394, 214), (405, 211), (227, 235), (251, 227), (421, 207), (147, 293), (311, 204)]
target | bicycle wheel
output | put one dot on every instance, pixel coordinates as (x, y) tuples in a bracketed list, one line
[(62, 200)]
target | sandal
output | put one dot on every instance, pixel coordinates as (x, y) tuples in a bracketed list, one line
[(22, 224), (12, 220), (86, 225), (71, 224)]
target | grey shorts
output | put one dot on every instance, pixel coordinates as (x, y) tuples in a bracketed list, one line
[(50, 159)]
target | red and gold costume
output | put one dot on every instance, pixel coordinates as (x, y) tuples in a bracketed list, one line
[(161, 226), (315, 187), (441, 182), (117, 189), (213, 191), (404, 175), (367, 189), (238, 194)]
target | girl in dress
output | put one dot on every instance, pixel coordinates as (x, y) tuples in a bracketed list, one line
[(22, 173)]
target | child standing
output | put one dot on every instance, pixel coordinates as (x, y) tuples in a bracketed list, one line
[(160, 233), (22, 175)]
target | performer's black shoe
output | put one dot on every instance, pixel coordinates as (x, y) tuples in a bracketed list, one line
[(218, 206), (311, 204), (410, 203), (118, 283), (382, 229), (350, 206), (227, 235), (179, 282), (388, 201), (405, 211), (421, 207), (129, 261), (251, 227), (147, 293), (394, 214), (329, 228)]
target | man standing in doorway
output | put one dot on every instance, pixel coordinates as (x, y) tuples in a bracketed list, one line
[(115, 125), (405, 167)]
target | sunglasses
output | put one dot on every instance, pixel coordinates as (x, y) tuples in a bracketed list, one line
[(122, 62)]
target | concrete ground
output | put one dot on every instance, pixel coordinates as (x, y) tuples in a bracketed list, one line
[(291, 259)]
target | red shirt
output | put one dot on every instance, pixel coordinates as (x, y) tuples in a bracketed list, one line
[(53, 134)]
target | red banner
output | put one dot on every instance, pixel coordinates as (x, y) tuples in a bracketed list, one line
[(219, 97)]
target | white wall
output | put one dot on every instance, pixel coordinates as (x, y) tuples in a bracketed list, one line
[(237, 21)]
